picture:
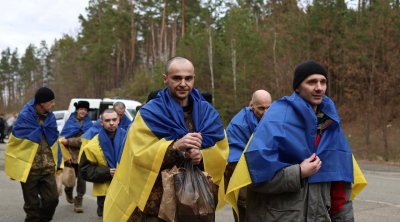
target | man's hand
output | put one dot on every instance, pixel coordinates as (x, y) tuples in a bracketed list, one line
[(195, 155), (64, 142), (112, 171), (189, 141), (310, 166)]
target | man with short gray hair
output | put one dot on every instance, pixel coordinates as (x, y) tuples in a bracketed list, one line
[(124, 121)]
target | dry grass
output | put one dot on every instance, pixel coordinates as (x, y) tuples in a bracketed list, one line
[(375, 150)]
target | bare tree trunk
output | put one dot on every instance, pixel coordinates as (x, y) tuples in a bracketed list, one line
[(276, 65), (153, 38), (370, 102), (132, 43), (385, 118), (233, 50), (117, 74), (210, 61), (183, 19), (385, 141), (148, 47), (165, 50), (173, 37), (162, 32)]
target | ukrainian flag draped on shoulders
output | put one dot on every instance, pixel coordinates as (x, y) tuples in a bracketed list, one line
[(92, 131), (24, 141), (156, 126), (103, 151), (72, 128), (124, 122), (112, 149), (239, 131), (88, 135), (286, 136)]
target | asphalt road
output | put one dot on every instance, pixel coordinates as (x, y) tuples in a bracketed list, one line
[(379, 201)]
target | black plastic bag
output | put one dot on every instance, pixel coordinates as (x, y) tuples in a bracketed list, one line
[(194, 194)]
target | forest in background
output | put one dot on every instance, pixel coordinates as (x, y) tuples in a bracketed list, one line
[(236, 47)]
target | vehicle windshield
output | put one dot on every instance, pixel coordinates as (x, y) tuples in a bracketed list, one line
[(132, 112), (59, 116)]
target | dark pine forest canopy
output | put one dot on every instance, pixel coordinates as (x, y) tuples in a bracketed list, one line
[(236, 48)]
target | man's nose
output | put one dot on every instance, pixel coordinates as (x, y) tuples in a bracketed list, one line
[(318, 86)]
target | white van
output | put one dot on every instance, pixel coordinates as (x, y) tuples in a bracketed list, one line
[(97, 106), (60, 118)]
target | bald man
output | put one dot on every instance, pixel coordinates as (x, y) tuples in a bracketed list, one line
[(177, 126), (239, 131), (260, 102)]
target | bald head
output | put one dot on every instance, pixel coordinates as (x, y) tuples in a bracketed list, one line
[(179, 78), (177, 61), (260, 102)]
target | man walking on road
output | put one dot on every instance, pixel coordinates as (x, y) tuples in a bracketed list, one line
[(77, 124), (176, 126), (299, 160), (31, 156), (101, 156), (238, 132)]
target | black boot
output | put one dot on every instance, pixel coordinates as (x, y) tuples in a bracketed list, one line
[(68, 196)]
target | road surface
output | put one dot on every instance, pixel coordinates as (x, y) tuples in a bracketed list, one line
[(380, 201)]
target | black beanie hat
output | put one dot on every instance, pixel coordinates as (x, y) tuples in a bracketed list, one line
[(82, 104), (43, 95), (306, 69)]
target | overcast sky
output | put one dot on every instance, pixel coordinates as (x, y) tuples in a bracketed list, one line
[(30, 21)]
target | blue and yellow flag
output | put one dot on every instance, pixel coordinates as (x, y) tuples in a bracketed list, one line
[(71, 128), (241, 178), (359, 180), (239, 131), (124, 122), (279, 142), (88, 135), (25, 139), (112, 149), (156, 126), (92, 131), (286, 135), (101, 151)]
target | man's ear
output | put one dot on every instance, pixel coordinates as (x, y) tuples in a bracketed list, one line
[(165, 78)]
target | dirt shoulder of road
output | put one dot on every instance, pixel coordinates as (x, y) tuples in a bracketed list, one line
[(379, 165)]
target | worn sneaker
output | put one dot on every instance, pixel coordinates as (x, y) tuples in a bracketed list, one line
[(78, 204)]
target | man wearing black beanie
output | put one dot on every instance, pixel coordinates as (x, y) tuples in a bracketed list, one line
[(30, 158), (44, 95), (77, 124), (306, 69), (299, 160)]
